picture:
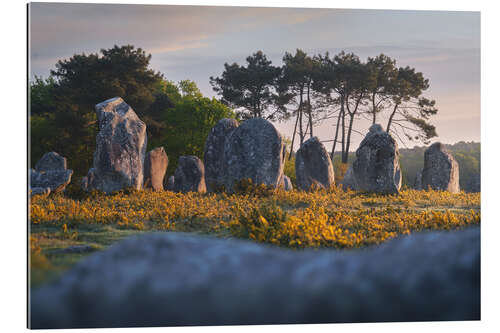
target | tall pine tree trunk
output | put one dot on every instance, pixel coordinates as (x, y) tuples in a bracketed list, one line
[(301, 129), (336, 131), (348, 143), (389, 122), (343, 133), (309, 108), (293, 137)]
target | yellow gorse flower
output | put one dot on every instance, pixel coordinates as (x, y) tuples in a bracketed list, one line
[(323, 218)]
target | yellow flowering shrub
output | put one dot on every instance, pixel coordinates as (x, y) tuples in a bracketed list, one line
[(323, 218)]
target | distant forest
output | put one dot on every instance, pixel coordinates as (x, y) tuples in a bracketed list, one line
[(467, 154)]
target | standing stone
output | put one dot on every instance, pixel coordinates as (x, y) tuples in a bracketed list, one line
[(170, 183), (313, 166), (254, 151), (121, 148), (440, 169), (190, 175), (376, 168), (214, 153), (51, 161), (50, 175), (155, 167), (417, 184)]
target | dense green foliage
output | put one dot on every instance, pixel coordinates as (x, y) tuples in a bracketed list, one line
[(63, 118)]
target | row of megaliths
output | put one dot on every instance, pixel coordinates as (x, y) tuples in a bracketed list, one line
[(376, 168), (233, 152)]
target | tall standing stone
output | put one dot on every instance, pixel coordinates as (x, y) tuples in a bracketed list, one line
[(313, 166), (121, 148), (190, 175), (441, 170), (214, 153), (376, 168), (255, 150), (155, 167)]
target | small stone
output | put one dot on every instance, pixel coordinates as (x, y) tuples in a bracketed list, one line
[(190, 175), (155, 167)]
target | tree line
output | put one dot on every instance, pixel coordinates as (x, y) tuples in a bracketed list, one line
[(311, 89), (305, 89)]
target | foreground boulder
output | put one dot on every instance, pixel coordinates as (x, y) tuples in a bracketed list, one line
[(376, 168), (155, 167), (166, 279), (440, 169), (255, 150), (120, 151), (313, 166), (50, 175), (190, 175), (213, 157)]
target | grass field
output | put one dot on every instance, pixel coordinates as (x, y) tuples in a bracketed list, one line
[(64, 229)]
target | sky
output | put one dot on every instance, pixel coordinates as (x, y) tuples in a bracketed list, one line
[(194, 42)]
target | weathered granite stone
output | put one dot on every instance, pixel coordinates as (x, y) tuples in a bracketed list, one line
[(313, 166), (166, 279), (417, 184), (43, 176), (440, 169), (254, 150), (155, 167), (51, 161), (376, 168), (213, 157), (170, 183), (190, 175), (121, 148)]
